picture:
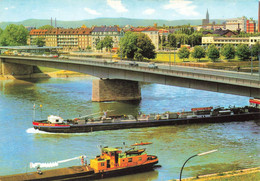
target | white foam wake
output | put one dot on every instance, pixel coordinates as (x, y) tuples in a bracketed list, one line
[(35, 131)]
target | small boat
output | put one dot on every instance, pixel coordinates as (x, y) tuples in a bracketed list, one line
[(111, 162), (134, 151), (142, 143)]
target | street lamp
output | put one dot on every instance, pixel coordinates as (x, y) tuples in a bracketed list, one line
[(259, 65), (251, 60), (199, 154), (170, 57)]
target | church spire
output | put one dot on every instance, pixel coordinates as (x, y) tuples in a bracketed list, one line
[(207, 15)]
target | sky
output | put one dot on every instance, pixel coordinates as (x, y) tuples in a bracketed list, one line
[(72, 10)]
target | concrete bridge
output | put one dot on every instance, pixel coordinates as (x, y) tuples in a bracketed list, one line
[(119, 81)]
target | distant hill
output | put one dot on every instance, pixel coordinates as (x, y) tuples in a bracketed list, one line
[(106, 21)]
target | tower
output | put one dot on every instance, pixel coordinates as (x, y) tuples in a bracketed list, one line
[(206, 21), (51, 21), (207, 16)]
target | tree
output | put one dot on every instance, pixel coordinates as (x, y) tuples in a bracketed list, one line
[(184, 53), (46, 27), (100, 45), (108, 43), (135, 45), (198, 52), (228, 51), (39, 41), (14, 35), (146, 46), (172, 40), (243, 52), (213, 53), (255, 49), (128, 45)]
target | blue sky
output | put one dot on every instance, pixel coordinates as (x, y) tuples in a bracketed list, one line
[(18, 10)]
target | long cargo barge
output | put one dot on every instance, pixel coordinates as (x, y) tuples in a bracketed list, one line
[(110, 163), (56, 124)]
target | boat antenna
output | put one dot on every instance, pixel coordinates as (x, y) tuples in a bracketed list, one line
[(33, 111)]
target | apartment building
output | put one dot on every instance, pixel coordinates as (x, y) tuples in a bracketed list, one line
[(34, 33), (151, 32), (99, 33), (70, 39)]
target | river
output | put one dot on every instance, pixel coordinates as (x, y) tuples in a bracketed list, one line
[(20, 144)]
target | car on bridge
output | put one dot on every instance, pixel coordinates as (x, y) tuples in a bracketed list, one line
[(152, 65), (134, 64)]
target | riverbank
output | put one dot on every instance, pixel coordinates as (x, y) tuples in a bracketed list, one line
[(54, 74), (251, 174)]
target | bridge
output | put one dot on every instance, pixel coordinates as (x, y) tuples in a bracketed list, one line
[(119, 80)]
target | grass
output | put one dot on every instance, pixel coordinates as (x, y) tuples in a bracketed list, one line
[(248, 177)]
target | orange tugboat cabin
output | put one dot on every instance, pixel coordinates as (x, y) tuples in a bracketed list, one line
[(113, 158)]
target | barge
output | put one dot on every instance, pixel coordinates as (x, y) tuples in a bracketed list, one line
[(111, 162), (56, 124)]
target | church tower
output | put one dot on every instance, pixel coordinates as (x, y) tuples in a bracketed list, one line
[(207, 16), (206, 21)]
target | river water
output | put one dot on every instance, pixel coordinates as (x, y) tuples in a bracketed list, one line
[(20, 144)]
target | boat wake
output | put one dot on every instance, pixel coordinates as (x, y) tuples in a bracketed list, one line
[(36, 131)]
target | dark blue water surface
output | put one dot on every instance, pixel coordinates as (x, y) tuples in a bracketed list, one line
[(20, 144)]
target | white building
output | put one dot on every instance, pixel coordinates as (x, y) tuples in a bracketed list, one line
[(236, 23)]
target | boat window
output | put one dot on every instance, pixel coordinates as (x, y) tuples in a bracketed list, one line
[(129, 159), (57, 120), (140, 158), (102, 164)]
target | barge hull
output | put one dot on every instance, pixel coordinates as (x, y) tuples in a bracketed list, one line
[(153, 123), (80, 173)]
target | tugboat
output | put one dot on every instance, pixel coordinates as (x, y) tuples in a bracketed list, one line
[(56, 124), (111, 162)]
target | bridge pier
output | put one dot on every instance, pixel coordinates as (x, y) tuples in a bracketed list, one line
[(15, 70), (115, 90)]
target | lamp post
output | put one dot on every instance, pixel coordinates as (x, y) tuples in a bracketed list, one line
[(174, 56), (251, 60), (259, 65), (170, 57), (199, 154)]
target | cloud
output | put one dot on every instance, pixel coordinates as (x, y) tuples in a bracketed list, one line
[(149, 11), (117, 5), (6, 8), (92, 11), (183, 7)]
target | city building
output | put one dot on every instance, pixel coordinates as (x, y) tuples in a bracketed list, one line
[(220, 41), (70, 39), (99, 33), (236, 24), (151, 32), (34, 33), (250, 26)]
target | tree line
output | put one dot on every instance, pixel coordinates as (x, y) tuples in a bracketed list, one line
[(242, 51)]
